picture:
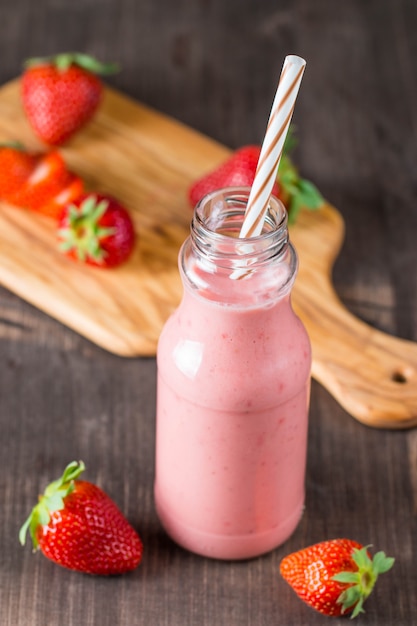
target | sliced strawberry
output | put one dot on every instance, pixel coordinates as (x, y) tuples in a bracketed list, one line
[(47, 180), (72, 192), (16, 166)]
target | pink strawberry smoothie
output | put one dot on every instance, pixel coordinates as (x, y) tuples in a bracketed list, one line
[(232, 404)]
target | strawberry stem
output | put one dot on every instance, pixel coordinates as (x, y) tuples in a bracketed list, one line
[(51, 500)]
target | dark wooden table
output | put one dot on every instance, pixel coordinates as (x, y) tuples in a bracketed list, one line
[(213, 65)]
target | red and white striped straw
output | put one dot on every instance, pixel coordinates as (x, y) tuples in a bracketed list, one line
[(276, 132)]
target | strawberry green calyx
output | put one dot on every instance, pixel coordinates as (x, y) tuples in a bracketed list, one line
[(64, 60), (299, 192), (51, 500), (83, 233), (363, 580), (14, 145)]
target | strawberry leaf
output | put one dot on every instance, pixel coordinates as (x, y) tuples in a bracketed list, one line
[(23, 530), (52, 500), (383, 563), (83, 234), (363, 580), (311, 196), (358, 609), (346, 577), (290, 140), (64, 60), (93, 65), (15, 145), (349, 597), (97, 210), (361, 558), (299, 192)]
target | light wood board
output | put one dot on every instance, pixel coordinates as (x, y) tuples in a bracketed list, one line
[(148, 161)]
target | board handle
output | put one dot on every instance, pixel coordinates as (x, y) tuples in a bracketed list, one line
[(373, 375), (370, 373)]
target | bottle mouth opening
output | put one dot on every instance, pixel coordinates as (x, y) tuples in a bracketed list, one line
[(222, 212), (218, 219)]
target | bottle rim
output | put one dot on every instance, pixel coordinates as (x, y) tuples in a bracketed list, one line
[(218, 218)]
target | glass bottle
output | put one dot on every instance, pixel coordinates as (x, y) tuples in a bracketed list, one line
[(233, 388)]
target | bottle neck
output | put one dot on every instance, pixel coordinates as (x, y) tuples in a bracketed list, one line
[(219, 265), (216, 225)]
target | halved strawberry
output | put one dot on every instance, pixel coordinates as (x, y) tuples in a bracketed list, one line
[(47, 181), (70, 193), (16, 165)]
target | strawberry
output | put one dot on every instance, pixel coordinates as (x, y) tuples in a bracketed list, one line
[(35, 181), (16, 165), (239, 171), (97, 230), (60, 94), (76, 525), (49, 187), (73, 190), (334, 577)]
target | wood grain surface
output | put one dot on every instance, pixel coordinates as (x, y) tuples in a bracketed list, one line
[(372, 374), (213, 65), (148, 161)]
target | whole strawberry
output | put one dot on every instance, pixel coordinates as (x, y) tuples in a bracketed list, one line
[(239, 171), (334, 577), (76, 525), (97, 230), (60, 94)]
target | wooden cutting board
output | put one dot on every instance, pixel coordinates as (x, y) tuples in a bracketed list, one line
[(148, 161)]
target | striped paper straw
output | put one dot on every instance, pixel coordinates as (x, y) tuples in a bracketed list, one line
[(276, 132)]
